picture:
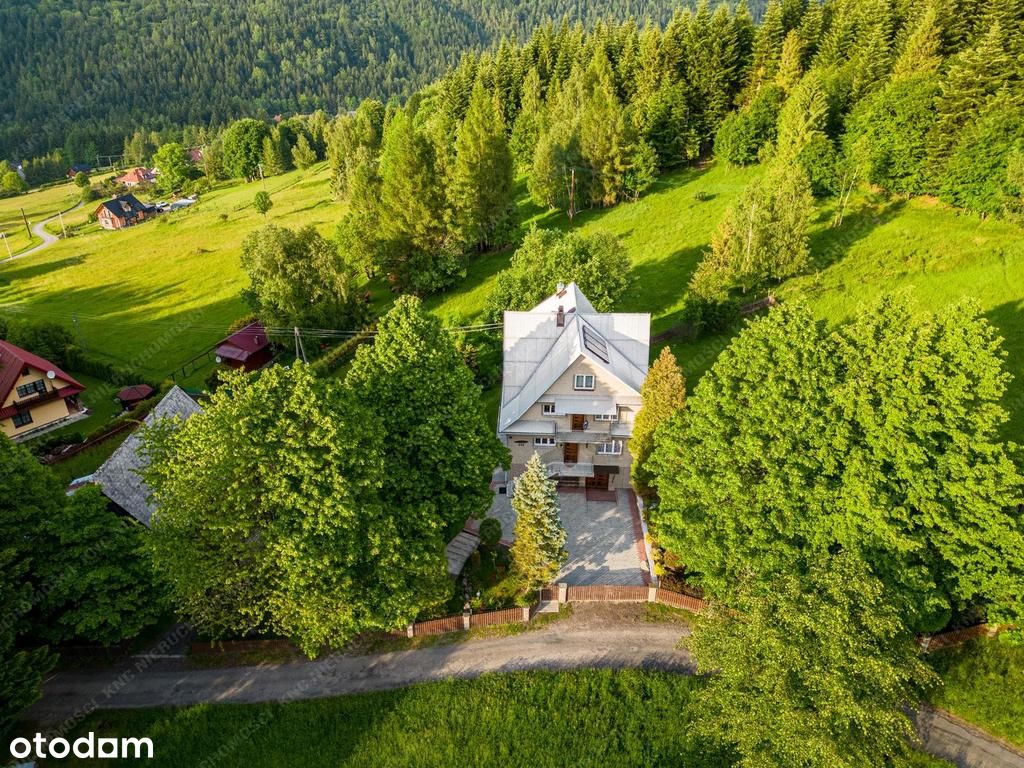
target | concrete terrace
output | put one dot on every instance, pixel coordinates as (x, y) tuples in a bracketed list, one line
[(605, 540)]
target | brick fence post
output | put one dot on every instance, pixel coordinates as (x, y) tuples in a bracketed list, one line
[(465, 619), (410, 630), (526, 613), (652, 594), (563, 592)]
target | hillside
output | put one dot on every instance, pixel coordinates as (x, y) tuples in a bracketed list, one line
[(98, 70), (157, 295)]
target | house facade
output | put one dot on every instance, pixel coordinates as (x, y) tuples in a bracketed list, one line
[(571, 382), (123, 211), (35, 395)]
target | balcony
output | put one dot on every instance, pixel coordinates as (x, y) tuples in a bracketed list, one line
[(562, 469)]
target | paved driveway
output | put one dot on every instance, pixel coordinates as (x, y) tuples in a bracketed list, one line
[(602, 542)]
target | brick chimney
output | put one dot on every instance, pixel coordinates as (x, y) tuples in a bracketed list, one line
[(560, 317)]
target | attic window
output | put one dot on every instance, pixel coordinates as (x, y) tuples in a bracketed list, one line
[(583, 381)]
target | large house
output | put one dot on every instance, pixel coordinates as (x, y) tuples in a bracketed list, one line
[(571, 387), (123, 211), (35, 395), (119, 478)]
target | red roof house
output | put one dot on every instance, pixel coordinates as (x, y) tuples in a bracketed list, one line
[(34, 393), (132, 396), (135, 176), (248, 348)]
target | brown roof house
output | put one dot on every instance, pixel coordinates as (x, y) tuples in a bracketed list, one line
[(35, 395), (135, 177), (119, 478), (571, 380), (123, 211), (248, 348)]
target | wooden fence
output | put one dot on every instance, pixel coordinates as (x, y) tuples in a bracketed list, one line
[(503, 616), (678, 600), (608, 594), (931, 643), (438, 626)]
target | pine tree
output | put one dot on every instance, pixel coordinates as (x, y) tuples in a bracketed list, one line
[(663, 395), (271, 162), (767, 48), (921, 53), (974, 77), (538, 552), (303, 154), (790, 67), (482, 187)]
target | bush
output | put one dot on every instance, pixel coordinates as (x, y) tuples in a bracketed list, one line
[(336, 356), (490, 531)]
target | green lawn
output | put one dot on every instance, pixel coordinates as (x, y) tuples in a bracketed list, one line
[(155, 295), (582, 718), (983, 683)]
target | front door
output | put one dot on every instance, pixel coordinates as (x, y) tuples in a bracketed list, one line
[(571, 453), (577, 422), (598, 482)]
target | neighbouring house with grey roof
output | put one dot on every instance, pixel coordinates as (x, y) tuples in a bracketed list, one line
[(571, 380), (119, 477)]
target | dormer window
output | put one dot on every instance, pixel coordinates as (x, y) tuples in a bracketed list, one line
[(583, 381)]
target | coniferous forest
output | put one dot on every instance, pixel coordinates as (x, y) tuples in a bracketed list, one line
[(82, 73)]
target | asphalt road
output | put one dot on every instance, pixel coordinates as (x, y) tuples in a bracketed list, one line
[(598, 635)]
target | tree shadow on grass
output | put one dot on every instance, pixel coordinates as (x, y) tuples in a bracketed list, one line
[(1008, 318), (831, 244), (15, 270)]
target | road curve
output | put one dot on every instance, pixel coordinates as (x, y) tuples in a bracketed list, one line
[(39, 230)]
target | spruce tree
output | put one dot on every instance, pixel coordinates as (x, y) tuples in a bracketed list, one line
[(271, 163), (767, 48), (538, 551), (663, 395), (303, 154), (482, 186)]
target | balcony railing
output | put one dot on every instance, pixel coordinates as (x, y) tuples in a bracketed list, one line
[(578, 469)]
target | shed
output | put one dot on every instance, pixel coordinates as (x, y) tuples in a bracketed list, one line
[(132, 396), (248, 348)]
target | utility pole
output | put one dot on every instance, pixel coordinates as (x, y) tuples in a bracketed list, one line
[(63, 229), (9, 254), (262, 177), (27, 227), (300, 350)]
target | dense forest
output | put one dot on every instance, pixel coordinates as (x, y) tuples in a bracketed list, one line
[(90, 71)]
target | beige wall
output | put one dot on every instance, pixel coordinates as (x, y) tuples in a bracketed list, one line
[(605, 387), (42, 414)]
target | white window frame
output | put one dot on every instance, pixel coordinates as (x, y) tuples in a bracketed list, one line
[(611, 448), (548, 409), (606, 416), (579, 382), (544, 442)]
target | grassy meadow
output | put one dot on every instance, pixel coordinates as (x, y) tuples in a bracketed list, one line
[(526, 719), (153, 296), (982, 683)]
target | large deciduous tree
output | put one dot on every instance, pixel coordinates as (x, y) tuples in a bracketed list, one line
[(243, 147), (298, 278), (881, 438), (538, 551), (811, 670), (663, 395), (101, 588), (597, 263), (270, 515), (172, 161), (441, 452)]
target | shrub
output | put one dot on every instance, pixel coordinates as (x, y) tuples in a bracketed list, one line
[(490, 531)]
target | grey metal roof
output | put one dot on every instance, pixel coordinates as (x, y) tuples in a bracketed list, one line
[(119, 476), (537, 350)]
